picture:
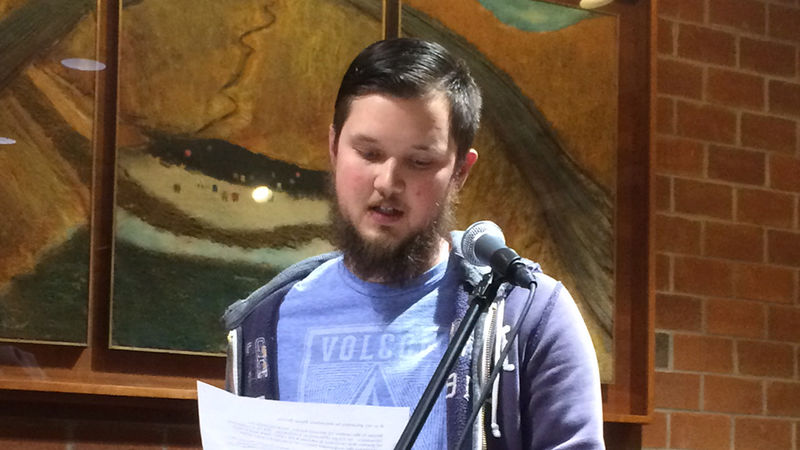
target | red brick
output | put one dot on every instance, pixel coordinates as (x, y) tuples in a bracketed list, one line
[(735, 89), (666, 37), (701, 198), (733, 395), (773, 209), (680, 78), (690, 10), (784, 247), (783, 22), (677, 390), (766, 359), (746, 16), (765, 283), (663, 193), (665, 115), (678, 235), (654, 434), (784, 98), (702, 353), (754, 433), (700, 431), (769, 133), (679, 156), (735, 165), (767, 57), (41, 435), (703, 276), (783, 399), (735, 318), (706, 122), (706, 45), (678, 312), (740, 242), (784, 173), (662, 273), (784, 324)]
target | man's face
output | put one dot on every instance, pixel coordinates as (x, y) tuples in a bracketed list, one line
[(394, 164), (395, 177)]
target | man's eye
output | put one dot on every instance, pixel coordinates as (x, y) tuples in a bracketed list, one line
[(421, 163), (369, 155)]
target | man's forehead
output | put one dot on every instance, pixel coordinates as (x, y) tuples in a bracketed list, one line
[(423, 123)]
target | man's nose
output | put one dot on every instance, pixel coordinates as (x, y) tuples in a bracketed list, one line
[(388, 179)]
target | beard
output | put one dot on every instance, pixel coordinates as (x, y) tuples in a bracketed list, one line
[(390, 262)]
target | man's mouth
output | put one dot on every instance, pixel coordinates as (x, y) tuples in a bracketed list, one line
[(386, 211)]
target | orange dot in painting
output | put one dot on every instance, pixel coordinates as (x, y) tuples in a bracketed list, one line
[(297, 174), (187, 153)]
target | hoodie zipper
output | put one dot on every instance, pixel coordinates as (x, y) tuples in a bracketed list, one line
[(486, 356)]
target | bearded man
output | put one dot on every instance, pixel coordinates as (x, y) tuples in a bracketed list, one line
[(369, 324)]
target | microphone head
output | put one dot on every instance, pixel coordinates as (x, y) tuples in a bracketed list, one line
[(488, 233)]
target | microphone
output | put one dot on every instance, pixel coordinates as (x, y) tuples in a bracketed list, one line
[(483, 244)]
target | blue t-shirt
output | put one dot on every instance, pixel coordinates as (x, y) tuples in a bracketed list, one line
[(346, 341)]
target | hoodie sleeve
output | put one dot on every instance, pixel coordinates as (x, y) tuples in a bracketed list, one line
[(560, 400)]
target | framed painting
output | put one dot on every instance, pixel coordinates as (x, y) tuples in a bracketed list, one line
[(548, 143), (224, 108), (48, 70)]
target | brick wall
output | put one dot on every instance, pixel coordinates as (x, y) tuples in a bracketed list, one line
[(727, 163)]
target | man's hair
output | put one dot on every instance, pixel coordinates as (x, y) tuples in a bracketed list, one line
[(412, 68)]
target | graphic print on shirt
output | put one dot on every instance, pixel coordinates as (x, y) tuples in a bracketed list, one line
[(362, 364), (368, 365)]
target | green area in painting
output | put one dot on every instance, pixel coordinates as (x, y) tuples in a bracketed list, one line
[(50, 304), (528, 15), (174, 303)]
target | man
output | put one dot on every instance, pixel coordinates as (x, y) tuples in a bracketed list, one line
[(369, 325)]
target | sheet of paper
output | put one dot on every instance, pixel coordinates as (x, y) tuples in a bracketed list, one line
[(229, 422)]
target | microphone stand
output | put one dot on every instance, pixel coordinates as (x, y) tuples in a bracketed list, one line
[(479, 301)]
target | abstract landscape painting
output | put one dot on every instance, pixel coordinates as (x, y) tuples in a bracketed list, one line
[(548, 143), (221, 156), (48, 68)]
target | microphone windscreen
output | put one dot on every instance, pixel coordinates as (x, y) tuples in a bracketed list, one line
[(479, 239)]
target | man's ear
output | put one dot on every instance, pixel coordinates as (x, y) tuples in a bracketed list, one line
[(332, 146), (463, 170)]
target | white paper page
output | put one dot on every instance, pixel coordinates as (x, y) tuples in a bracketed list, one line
[(230, 422)]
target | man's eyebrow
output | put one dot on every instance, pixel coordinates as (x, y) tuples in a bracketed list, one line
[(427, 147), (364, 139)]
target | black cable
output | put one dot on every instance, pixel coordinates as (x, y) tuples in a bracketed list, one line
[(487, 387)]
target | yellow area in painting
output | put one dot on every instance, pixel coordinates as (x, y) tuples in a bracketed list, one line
[(7, 6), (571, 77), (41, 192), (260, 75), (176, 58), (569, 74)]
